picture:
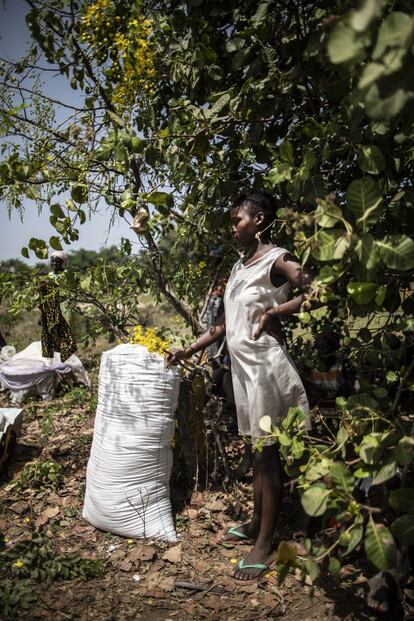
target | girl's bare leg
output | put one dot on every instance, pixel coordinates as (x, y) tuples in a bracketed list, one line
[(251, 529), (268, 487)]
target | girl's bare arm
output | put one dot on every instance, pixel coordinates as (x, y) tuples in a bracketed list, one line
[(209, 337), (301, 278)]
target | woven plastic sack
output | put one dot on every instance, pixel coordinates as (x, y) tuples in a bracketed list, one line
[(128, 473)]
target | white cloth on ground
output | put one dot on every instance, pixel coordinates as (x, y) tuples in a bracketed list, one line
[(129, 469), (265, 380), (28, 373)]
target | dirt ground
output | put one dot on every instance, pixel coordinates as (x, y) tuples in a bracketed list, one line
[(143, 579)]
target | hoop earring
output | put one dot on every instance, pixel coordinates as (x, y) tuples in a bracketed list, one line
[(259, 233)]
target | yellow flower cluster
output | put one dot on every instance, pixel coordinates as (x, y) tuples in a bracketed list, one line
[(196, 271), (130, 50), (149, 338), (18, 563)]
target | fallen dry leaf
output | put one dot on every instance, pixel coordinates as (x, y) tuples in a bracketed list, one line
[(215, 505), (197, 499), (46, 515), (213, 602), (192, 513), (156, 580), (141, 553), (248, 588), (117, 556), (19, 507), (125, 565), (174, 554)]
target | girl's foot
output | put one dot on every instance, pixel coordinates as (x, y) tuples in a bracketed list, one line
[(243, 533), (257, 563)]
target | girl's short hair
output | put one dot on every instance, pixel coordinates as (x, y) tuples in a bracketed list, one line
[(256, 201)]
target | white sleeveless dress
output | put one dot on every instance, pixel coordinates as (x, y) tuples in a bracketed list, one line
[(265, 380)]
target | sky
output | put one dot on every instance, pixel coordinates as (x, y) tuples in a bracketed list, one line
[(14, 233)]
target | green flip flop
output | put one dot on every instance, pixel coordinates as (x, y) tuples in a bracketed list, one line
[(238, 536), (262, 566)]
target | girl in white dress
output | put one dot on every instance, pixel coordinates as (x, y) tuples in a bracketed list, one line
[(265, 380)]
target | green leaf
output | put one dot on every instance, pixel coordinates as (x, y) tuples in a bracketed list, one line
[(344, 45), (294, 418), (364, 199), (361, 18), (402, 500), (385, 473), (371, 73), (326, 215), (265, 424), (404, 451), (284, 439), (54, 242), (261, 13), (330, 245), (313, 188), (234, 45), (159, 199), (385, 106), (315, 500), (356, 535), (57, 210), (363, 473), (282, 572), (311, 568), (395, 31), (39, 247), (391, 376), (137, 144), (380, 295), (334, 566), (219, 105), (380, 546), (362, 292), (371, 160), (280, 172), (286, 151), (403, 529), (85, 283), (342, 477), (361, 401), (79, 193), (71, 205), (25, 252), (370, 449), (116, 119), (103, 153), (286, 553), (397, 252)]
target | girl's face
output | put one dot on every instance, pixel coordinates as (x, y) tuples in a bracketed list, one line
[(245, 225)]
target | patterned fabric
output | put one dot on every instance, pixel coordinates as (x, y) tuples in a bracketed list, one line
[(56, 334), (215, 308)]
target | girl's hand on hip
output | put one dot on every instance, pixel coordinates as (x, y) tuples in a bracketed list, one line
[(269, 323)]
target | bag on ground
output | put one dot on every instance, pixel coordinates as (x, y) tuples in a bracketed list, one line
[(128, 473)]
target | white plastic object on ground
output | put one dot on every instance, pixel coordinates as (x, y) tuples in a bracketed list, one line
[(129, 469), (10, 427), (10, 417), (7, 352), (28, 373)]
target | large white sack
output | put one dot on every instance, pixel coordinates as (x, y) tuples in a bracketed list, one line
[(128, 473)]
